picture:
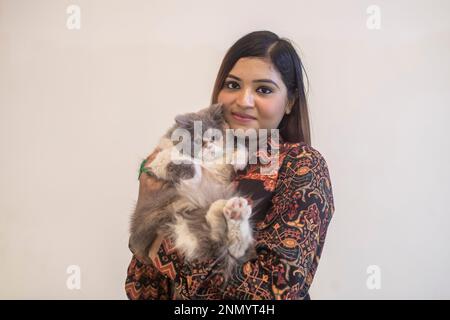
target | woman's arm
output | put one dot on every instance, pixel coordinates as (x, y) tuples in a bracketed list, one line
[(289, 244)]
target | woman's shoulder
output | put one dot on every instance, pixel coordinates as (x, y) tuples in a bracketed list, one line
[(304, 167), (302, 161), (301, 154)]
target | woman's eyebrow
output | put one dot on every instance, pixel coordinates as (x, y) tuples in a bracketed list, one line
[(259, 80)]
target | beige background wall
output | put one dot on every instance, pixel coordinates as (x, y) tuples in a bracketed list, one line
[(79, 109)]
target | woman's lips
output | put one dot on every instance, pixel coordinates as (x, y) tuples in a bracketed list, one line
[(241, 117)]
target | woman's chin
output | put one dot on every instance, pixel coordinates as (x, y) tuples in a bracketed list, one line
[(235, 126)]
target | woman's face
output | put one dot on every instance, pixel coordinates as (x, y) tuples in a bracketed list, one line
[(254, 95)]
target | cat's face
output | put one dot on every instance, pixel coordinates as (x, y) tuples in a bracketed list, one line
[(212, 145), (207, 131)]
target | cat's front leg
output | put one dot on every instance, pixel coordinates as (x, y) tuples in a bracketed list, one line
[(159, 164), (169, 166), (189, 173), (216, 219)]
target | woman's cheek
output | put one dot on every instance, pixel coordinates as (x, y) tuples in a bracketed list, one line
[(224, 98), (269, 116), (270, 111)]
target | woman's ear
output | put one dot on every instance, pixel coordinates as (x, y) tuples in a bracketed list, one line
[(290, 105)]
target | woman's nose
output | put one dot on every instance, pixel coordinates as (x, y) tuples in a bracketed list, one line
[(245, 98)]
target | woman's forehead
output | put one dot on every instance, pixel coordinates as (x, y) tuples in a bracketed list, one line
[(254, 68)]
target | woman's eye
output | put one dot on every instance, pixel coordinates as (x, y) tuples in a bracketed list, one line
[(265, 88), (228, 83)]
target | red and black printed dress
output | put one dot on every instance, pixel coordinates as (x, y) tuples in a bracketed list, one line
[(290, 228)]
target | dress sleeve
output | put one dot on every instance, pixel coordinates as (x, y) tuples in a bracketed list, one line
[(289, 241), (145, 282)]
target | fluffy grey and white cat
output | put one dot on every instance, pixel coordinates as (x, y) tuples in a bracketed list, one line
[(198, 205)]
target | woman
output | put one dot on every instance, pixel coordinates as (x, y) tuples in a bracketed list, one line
[(260, 84)]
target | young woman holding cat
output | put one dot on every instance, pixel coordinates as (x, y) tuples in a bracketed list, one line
[(260, 85)]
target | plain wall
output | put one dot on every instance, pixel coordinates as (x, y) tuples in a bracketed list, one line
[(79, 110)]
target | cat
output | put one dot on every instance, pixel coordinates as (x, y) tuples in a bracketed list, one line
[(198, 205)]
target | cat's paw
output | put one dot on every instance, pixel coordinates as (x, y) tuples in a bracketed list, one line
[(237, 208), (181, 171), (158, 166), (237, 211)]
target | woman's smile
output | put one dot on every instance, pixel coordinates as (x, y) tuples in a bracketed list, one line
[(242, 117)]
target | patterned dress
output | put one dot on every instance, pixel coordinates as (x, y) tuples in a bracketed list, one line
[(294, 208)]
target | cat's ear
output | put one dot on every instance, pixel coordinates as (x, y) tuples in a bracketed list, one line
[(184, 120), (216, 112)]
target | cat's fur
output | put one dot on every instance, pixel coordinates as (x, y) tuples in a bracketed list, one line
[(198, 205)]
